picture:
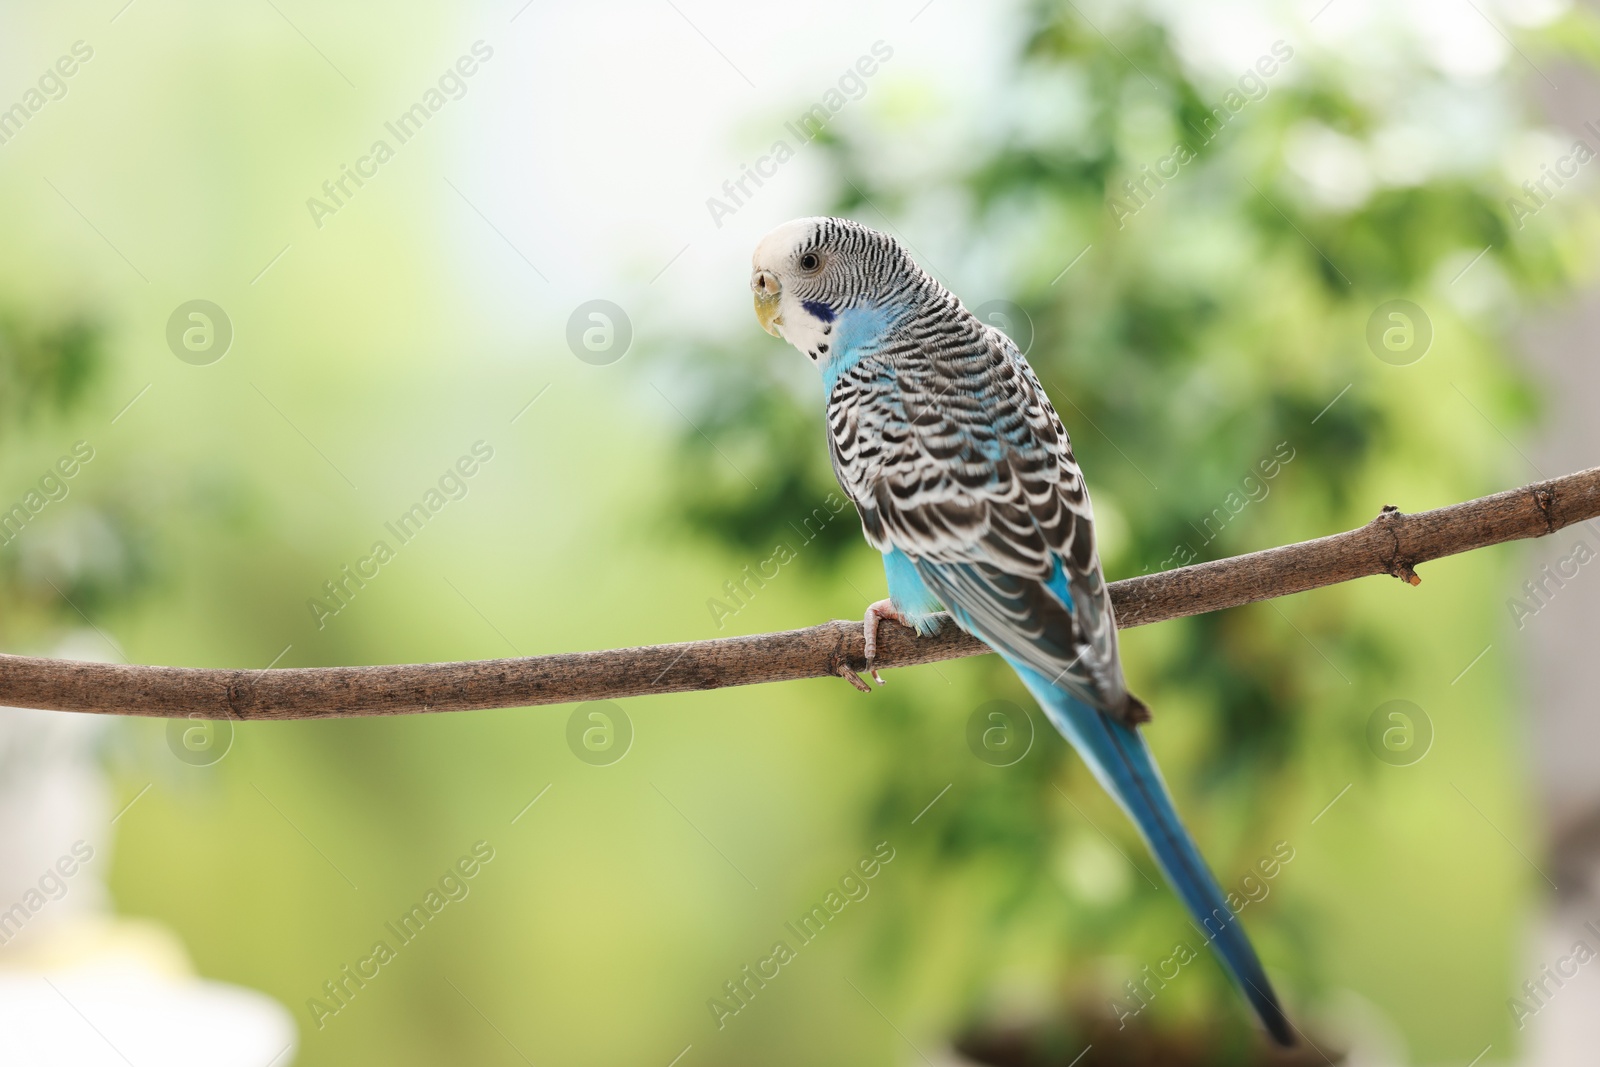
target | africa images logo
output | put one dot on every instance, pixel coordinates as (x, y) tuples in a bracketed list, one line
[(1251, 87), (451, 85), (852, 85), (853, 887)]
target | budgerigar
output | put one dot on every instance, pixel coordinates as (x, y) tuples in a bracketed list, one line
[(942, 436)]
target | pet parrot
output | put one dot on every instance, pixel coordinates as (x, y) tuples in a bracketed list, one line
[(965, 481)]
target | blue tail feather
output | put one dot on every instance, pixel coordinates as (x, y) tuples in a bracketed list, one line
[(1121, 762)]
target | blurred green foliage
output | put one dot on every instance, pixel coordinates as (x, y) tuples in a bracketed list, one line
[(44, 370), (86, 558), (1203, 335)]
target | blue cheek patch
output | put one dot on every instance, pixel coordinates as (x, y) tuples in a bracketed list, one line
[(818, 310)]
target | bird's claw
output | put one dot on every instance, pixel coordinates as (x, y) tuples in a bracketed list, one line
[(883, 609)]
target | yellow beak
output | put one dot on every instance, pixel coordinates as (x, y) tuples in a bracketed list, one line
[(768, 294), (767, 313)]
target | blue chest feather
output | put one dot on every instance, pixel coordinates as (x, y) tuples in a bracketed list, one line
[(856, 333)]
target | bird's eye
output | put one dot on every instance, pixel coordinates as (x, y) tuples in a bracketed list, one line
[(810, 261)]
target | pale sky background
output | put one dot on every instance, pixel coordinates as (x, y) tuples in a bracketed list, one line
[(599, 148), (594, 149)]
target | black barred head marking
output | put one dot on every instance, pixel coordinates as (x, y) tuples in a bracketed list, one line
[(808, 272)]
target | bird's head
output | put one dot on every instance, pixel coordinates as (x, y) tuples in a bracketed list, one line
[(811, 277)]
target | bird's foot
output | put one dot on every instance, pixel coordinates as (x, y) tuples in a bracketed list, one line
[(883, 609)]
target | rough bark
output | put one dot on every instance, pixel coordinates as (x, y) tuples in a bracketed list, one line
[(1394, 543)]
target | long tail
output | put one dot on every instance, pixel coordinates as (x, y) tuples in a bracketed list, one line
[(1122, 763)]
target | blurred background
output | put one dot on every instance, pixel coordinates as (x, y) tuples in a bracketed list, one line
[(343, 335)]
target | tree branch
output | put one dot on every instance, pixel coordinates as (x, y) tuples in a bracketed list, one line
[(1393, 543)]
